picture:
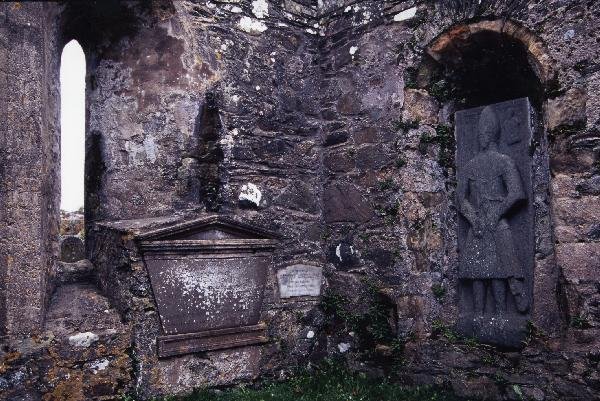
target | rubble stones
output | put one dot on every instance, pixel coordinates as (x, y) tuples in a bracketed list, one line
[(72, 249), (567, 110)]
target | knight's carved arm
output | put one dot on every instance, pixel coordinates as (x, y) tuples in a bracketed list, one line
[(464, 206), (514, 186)]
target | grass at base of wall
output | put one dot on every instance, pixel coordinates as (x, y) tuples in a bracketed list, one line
[(328, 382)]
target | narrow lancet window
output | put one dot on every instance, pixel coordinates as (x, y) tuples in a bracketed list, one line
[(72, 123)]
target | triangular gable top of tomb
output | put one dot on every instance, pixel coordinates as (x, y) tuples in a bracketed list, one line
[(212, 228)]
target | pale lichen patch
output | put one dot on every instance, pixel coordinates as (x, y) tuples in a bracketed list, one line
[(343, 347), (250, 193), (83, 339), (99, 365), (251, 25), (260, 8), (406, 14)]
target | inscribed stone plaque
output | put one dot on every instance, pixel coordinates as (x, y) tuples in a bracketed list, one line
[(495, 231), (300, 280)]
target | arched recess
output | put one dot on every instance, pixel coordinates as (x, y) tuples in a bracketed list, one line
[(453, 41), (486, 62)]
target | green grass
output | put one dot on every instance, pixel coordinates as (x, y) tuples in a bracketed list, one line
[(329, 382)]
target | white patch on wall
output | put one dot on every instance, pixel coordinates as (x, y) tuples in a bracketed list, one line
[(251, 25), (150, 148), (570, 34), (338, 252), (343, 347), (260, 8), (136, 152), (353, 51), (311, 31), (99, 365), (367, 17), (250, 193), (233, 9), (83, 339), (406, 14), (310, 334)]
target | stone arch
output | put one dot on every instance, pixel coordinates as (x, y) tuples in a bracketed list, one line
[(448, 43)]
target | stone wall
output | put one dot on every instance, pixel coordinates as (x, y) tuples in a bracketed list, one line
[(330, 123), (195, 111), (29, 149), (393, 150)]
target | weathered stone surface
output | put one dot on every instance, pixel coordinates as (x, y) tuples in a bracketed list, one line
[(299, 195), (342, 123), (419, 107), (365, 135), (567, 110), (589, 186), (344, 203), (576, 217), (593, 100), (72, 249), (338, 161), (29, 165), (579, 261), (76, 272), (82, 354), (482, 387), (573, 154)]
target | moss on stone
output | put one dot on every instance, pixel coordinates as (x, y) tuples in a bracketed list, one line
[(438, 292), (400, 162), (332, 380), (444, 137), (401, 125)]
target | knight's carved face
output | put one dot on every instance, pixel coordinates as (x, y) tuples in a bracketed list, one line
[(489, 128)]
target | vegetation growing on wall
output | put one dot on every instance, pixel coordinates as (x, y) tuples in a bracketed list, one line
[(374, 326), (331, 381)]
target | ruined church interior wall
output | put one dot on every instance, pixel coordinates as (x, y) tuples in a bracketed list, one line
[(332, 125)]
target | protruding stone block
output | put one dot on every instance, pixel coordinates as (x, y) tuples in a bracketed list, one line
[(72, 249)]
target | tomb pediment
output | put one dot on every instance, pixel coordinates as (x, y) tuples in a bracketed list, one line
[(209, 234)]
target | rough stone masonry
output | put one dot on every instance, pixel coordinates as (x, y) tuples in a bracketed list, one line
[(312, 153)]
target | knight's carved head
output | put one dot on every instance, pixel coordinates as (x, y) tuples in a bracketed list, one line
[(489, 128)]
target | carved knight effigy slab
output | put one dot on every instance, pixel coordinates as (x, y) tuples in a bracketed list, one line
[(495, 230)]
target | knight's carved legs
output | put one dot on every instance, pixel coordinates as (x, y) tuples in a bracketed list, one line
[(499, 289), (479, 296)]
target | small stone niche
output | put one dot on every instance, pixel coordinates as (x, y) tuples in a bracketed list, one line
[(208, 277)]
